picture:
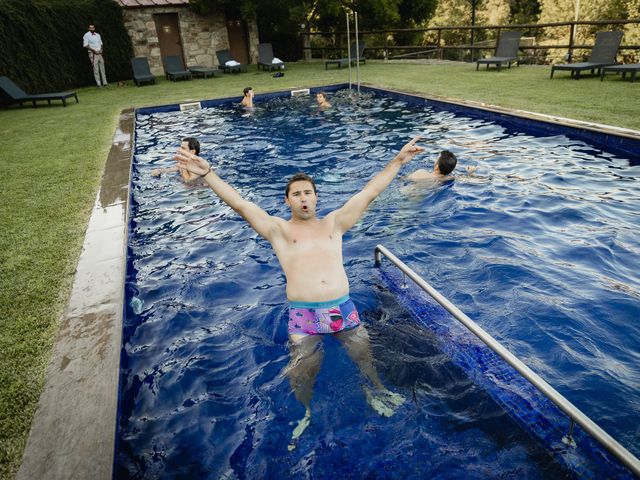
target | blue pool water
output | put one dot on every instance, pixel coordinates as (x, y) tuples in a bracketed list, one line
[(540, 248)]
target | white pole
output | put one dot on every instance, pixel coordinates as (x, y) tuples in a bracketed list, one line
[(348, 48), (357, 53)]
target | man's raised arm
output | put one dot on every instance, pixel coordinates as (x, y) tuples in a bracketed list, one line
[(350, 212), (260, 221)]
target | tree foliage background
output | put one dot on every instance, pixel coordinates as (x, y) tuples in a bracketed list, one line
[(564, 10), (281, 21)]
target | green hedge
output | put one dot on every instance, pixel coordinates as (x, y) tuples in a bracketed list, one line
[(41, 42)]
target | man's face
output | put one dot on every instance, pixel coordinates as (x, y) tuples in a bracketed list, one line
[(92, 28), (302, 200), (320, 98), (436, 167), (185, 146)]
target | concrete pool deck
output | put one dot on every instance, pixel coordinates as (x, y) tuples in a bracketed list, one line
[(73, 431)]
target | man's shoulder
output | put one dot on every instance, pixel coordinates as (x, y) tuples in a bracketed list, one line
[(421, 174)]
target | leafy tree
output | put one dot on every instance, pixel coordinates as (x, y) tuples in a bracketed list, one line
[(632, 31), (524, 11), (280, 21), (494, 12), (459, 12), (564, 10), (326, 13)]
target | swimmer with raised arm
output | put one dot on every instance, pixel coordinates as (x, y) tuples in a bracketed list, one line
[(192, 145), (247, 98), (310, 252)]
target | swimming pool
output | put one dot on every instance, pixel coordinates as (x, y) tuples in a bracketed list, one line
[(539, 248)]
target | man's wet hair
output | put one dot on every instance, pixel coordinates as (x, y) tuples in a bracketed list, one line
[(194, 144), (299, 177), (447, 161), (323, 94), (247, 90)]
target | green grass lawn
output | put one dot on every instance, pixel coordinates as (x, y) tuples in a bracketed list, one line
[(51, 160)]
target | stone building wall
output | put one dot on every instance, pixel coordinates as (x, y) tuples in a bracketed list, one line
[(202, 36)]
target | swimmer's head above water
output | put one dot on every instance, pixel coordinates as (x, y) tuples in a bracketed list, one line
[(191, 144), (247, 98), (445, 163), (321, 99)]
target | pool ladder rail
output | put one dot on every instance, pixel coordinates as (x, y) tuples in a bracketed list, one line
[(574, 414)]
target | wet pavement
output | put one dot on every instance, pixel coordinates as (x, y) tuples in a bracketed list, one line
[(73, 431)]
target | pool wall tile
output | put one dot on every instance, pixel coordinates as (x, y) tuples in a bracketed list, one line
[(529, 408)]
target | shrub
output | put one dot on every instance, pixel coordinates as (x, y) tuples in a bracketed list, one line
[(41, 42)]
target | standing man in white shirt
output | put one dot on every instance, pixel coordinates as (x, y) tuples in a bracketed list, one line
[(93, 43)]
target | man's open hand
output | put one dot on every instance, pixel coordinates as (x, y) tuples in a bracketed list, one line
[(191, 162)]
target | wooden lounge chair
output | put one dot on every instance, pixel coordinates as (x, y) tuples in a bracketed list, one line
[(16, 95), (224, 56), (343, 62), (603, 54), (265, 58), (174, 69), (141, 71), (506, 51)]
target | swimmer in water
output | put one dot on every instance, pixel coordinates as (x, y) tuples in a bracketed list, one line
[(192, 145), (323, 103), (247, 99), (445, 164), (310, 253)]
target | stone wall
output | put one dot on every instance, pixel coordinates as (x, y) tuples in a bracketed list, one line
[(201, 36)]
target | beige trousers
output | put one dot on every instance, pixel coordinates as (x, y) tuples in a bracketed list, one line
[(98, 68)]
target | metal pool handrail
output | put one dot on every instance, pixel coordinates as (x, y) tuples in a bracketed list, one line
[(606, 440)]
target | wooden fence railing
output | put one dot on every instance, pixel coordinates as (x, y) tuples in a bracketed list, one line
[(382, 44)]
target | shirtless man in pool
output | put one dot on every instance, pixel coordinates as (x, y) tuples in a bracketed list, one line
[(188, 143), (310, 252)]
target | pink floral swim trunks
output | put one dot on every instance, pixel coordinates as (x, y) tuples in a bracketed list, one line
[(316, 318)]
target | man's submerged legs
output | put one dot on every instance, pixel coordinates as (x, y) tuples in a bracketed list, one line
[(306, 358), (357, 344)]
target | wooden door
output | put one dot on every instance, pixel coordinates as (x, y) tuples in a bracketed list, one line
[(169, 35), (238, 43)]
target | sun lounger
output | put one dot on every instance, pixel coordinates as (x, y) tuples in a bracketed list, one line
[(343, 62), (602, 55), (506, 51), (174, 70), (228, 64), (631, 68), (17, 95), (266, 60), (203, 72), (141, 71)]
